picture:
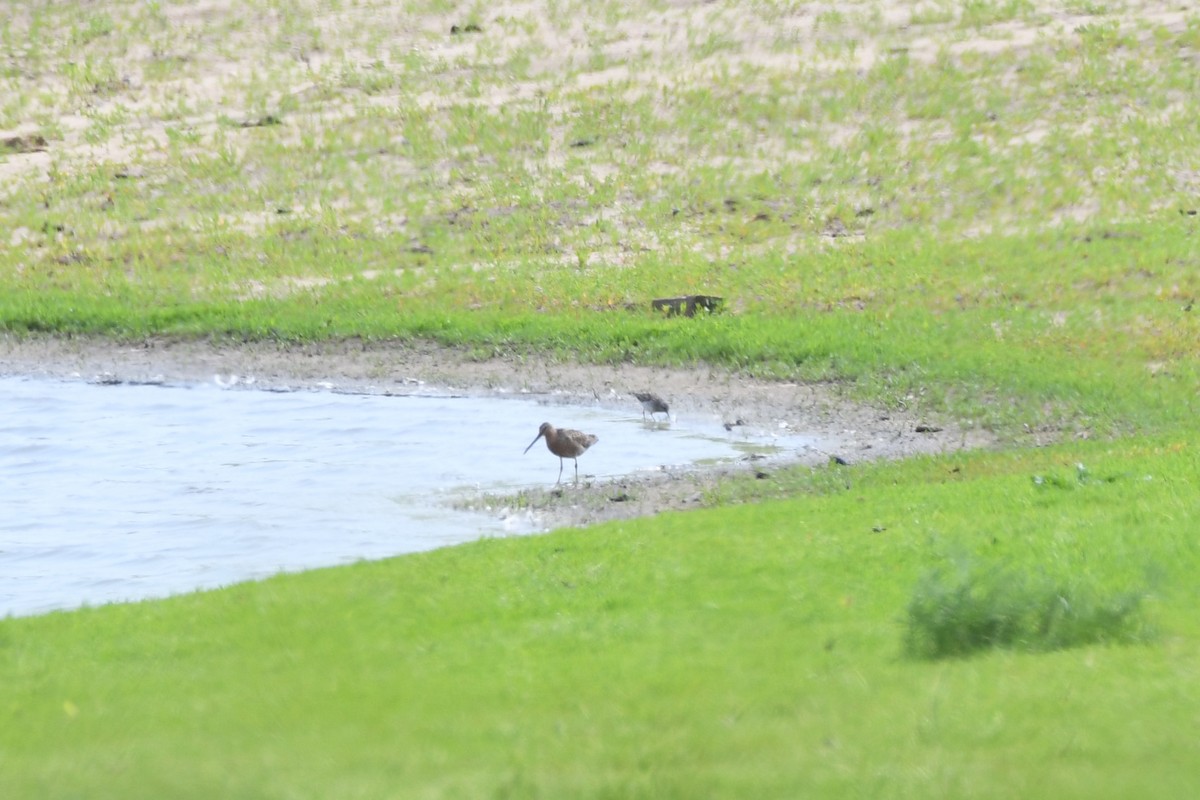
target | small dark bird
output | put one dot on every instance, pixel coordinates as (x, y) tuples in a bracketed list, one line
[(564, 443), (652, 403)]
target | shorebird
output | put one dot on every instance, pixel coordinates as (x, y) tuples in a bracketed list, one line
[(564, 443), (652, 403)]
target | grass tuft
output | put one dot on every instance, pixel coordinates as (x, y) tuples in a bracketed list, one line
[(980, 605)]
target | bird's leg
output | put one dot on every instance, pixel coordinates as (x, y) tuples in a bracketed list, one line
[(560, 469)]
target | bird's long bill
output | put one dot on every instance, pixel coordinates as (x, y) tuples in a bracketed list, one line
[(531, 444)]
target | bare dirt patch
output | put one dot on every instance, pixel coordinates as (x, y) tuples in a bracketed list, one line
[(844, 430)]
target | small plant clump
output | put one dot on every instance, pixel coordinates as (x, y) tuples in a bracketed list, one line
[(979, 605)]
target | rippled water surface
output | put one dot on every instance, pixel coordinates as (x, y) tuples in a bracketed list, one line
[(123, 492)]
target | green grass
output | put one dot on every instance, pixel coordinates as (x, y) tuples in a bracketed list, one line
[(976, 605), (985, 209), (1078, 328), (757, 649)]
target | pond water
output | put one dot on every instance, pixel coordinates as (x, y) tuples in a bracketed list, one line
[(125, 492)]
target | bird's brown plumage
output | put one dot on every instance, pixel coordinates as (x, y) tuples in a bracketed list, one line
[(653, 404), (564, 443)]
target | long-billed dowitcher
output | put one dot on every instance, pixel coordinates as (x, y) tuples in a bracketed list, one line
[(653, 404), (564, 443)]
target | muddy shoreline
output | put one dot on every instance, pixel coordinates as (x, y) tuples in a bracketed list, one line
[(842, 429)]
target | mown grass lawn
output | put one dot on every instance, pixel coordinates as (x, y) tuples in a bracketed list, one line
[(987, 210), (756, 649)]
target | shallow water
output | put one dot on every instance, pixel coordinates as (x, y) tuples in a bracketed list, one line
[(125, 492)]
